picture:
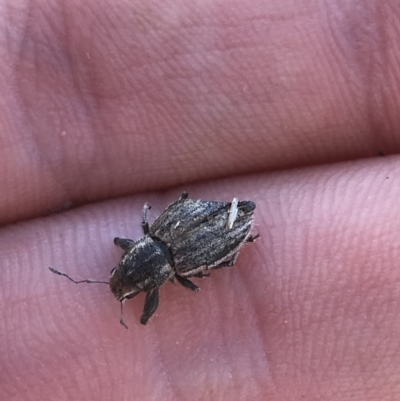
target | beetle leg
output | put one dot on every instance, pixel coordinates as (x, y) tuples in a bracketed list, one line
[(150, 305), (123, 243), (201, 275), (145, 223), (187, 283), (252, 238), (227, 263), (184, 195)]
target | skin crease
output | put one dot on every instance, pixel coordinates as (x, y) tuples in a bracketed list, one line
[(104, 99)]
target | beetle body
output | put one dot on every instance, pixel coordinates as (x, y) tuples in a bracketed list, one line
[(187, 240)]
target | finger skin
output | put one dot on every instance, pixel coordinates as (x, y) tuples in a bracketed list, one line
[(103, 99), (309, 311)]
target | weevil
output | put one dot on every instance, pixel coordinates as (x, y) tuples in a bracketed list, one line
[(189, 238)]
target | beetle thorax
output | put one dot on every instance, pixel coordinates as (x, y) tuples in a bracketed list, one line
[(143, 267)]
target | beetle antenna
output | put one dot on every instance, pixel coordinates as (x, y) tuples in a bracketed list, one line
[(55, 271), (121, 320)]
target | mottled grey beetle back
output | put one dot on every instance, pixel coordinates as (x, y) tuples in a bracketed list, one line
[(198, 233)]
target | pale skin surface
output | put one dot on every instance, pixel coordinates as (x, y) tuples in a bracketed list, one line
[(105, 99)]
